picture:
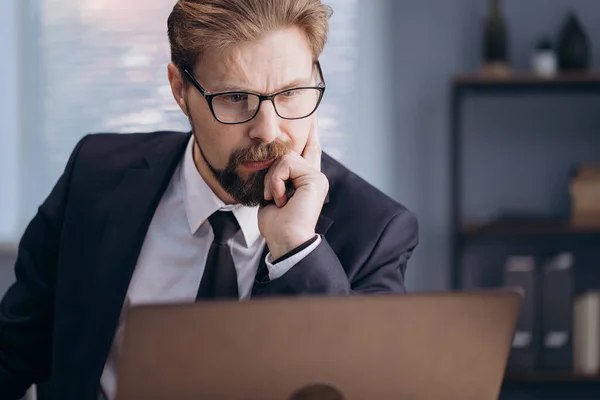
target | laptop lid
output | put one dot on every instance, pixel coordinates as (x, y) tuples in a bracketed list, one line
[(418, 346)]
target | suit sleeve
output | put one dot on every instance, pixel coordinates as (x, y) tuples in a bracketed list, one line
[(321, 272), (26, 311)]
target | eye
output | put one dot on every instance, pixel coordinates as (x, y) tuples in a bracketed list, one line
[(291, 93), (235, 97)]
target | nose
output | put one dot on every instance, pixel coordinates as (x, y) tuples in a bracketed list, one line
[(265, 125)]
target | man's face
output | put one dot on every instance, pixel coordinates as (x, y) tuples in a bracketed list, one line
[(239, 155)]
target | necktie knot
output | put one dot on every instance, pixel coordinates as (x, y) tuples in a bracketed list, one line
[(224, 226)]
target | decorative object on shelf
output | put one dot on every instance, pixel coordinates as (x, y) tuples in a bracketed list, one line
[(557, 313), (573, 45), (544, 60), (586, 331), (585, 196), (495, 42)]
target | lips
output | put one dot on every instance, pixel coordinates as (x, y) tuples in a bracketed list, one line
[(258, 165)]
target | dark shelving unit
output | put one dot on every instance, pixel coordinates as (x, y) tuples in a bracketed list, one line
[(524, 83), (545, 377), (541, 227), (466, 232), (528, 82)]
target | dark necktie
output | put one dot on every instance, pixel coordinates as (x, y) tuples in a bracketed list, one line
[(220, 278)]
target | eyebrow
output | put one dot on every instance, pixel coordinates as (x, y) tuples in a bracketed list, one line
[(224, 86)]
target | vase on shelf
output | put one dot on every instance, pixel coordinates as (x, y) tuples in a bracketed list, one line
[(495, 41), (544, 59), (573, 45)]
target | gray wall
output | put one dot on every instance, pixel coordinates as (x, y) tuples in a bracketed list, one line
[(433, 38), (8, 123), (7, 276), (9, 118)]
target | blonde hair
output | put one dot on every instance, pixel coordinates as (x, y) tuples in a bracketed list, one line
[(195, 26)]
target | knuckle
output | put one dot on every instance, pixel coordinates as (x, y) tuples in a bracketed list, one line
[(286, 161), (273, 180)]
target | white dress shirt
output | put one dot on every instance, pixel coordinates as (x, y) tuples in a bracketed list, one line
[(172, 258)]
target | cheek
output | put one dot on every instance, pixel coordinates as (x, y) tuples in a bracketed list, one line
[(298, 131), (223, 143), (218, 141)]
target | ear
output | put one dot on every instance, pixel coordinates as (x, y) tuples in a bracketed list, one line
[(177, 86)]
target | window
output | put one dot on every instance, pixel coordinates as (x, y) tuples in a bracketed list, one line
[(100, 66), (9, 123)]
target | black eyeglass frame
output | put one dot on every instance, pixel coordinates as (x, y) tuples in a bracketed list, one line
[(208, 96)]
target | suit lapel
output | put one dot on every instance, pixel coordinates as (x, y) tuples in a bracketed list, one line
[(133, 207), (323, 224)]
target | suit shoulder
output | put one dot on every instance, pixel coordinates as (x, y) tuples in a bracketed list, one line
[(103, 144), (353, 197), (102, 158), (119, 150)]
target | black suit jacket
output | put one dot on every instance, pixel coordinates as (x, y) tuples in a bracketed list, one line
[(77, 256)]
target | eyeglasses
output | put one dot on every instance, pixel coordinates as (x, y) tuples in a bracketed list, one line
[(237, 107)]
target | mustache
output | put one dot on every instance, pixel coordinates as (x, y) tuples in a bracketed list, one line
[(261, 152)]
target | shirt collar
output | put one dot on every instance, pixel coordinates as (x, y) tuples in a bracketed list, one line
[(201, 202)]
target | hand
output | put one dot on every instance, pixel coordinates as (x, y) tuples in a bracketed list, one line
[(288, 223)]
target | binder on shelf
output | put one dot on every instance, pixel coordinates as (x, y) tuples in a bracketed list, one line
[(520, 272), (557, 313), (586, 334)]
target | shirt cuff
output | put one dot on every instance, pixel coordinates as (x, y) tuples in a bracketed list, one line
[(277, 270)]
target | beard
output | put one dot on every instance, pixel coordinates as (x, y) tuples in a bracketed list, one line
[(249, 191)]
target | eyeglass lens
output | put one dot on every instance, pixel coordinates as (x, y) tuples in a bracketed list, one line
[(240, 106)]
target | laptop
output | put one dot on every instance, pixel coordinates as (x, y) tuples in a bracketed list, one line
[(418, 346)]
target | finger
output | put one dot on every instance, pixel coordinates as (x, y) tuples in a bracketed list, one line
[(269, 181), (267, 194), (297, 166), (312, 149), (279, 175), (289, 167)]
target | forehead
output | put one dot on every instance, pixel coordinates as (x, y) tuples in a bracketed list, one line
[(266, 65)]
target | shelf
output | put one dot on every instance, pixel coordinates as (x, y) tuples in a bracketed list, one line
[(523, 77), (547, 377), (526, 227), (523, 80)]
